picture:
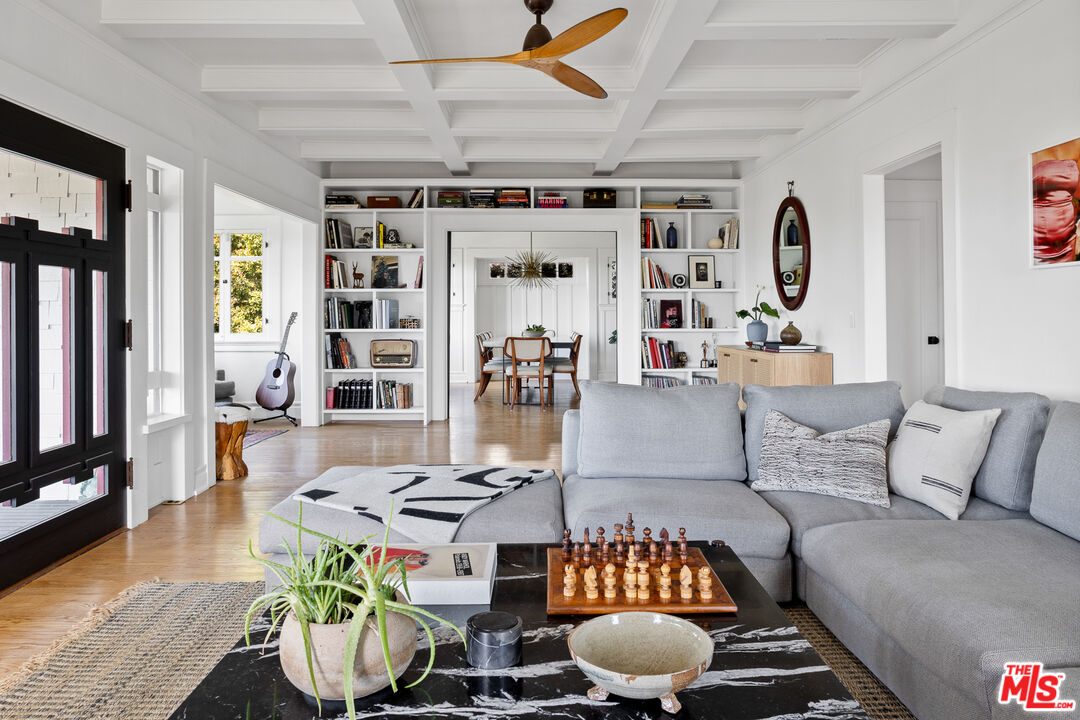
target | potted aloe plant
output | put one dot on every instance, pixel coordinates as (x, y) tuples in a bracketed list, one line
[(756, 330), (347, 629)]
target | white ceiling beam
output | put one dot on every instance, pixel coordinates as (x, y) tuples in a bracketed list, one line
[(829, 19), (234, 19), (397, 149), (340, 122), (680, 25), (532, 150), (646, 150), (764, 82), (396, 34), (671, 123)]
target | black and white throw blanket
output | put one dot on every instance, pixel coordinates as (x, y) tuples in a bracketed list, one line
[(429, 501)]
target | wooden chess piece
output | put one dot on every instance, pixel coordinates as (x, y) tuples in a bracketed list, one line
[(686, 580), (609, 581), (591, 591), (643, 574), (705, 583), (630, 584), (665, 581), (587, 548), (654, 551), (619, 550), (569, 581), (631, 556), (637, 550), (609, 571), (618, 536), (668, 550), (601, 545), (682, 545), (629, 528), (566, 544), (577, 552)]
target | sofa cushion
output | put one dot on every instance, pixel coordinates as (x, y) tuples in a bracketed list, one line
[(948, 593), (692, 432), (825, 408), (844, 464), (709, 510), (806, 511), (1008, 470), (936, 454), (530, 514), (1055, 498)]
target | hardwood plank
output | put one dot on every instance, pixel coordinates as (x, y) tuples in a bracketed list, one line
[(206, 537)]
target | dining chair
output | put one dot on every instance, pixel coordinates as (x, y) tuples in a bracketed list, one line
[(489, 364), (569, 365), (521, 353)]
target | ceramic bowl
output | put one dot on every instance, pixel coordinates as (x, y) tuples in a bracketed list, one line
[(641, 655)]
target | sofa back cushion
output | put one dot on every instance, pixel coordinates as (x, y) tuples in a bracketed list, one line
[(1055, 497), (1008, 470), (826, 408), (692, 432)]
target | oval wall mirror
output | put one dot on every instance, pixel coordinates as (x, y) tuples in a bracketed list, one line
[(791, 253)]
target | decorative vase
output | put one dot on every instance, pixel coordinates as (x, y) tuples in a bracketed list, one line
[(717, 243), (757, 331), (792, 233), (672, 236), (533, 333), (328, 655), (791, 335)]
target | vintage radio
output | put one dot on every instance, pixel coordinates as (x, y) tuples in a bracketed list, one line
[(383, 201), (393, 353), (598, 198)]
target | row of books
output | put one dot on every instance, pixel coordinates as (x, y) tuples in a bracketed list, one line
[(779, 347), (729, 233), (342, 201), (705, 380), (653, 276), (699, 315), (552, 200), (335, 274), (339, 354), (369, 395), (650, 234), (416, 200), (660, 313), (657, 354), (385, 314), (686, 201), (340, 314), (513, 197), (660, 381), (339, 234)]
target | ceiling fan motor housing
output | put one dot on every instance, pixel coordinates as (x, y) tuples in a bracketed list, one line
[(538, 34), (539, 7)]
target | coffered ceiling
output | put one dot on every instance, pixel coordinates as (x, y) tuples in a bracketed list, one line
[(688, 80)]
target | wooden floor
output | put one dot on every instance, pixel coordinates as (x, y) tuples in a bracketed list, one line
[(206, 537)]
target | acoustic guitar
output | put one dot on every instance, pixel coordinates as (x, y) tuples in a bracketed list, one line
[(276, 391)]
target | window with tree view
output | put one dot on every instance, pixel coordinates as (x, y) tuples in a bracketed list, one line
[(238, 283)]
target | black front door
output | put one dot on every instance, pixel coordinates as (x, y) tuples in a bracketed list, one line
[(62, 355)]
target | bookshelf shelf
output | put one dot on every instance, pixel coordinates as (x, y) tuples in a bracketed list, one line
[(380, 251), (415, 410), (398, 331), (697, 331)]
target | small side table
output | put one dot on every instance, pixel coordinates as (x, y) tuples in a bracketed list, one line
[(230, 429)]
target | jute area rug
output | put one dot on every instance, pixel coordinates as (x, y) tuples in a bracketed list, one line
[(142, 653)]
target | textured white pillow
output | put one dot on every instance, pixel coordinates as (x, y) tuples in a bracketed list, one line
[(937, 453), (844, 464)]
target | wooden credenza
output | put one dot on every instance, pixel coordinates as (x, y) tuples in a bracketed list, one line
[(757, 367)]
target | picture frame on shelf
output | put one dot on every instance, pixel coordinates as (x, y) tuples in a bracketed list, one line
[(671, 314), (701, 272), (362, 237), (384, 271)]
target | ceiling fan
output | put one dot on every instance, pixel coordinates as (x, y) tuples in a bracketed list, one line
[(541, 52)]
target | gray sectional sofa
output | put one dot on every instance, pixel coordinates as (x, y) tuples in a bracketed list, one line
[(934, 607)]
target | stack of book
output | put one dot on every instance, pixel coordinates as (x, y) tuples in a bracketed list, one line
[(339, 354), (349, 395), (657, 354), (338, 234), (729, 232), (693, 201), (653, 276), (340, 314), (699, 317), (416, 200), (392, 395), (451, 198), (482, 198), (341, 202), (552, 200), (705, 380), (650, 233), (513, 197), (779, 347), (660, 381), (658, 205), (386, 314), (335, 275)]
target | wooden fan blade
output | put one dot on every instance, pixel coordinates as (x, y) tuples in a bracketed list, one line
[(573, 79), (581, 34), (516, 57)]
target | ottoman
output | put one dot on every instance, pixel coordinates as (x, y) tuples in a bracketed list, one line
[(531, 514), (230, 428)]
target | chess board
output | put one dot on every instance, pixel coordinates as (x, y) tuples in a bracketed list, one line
[(559, 603)]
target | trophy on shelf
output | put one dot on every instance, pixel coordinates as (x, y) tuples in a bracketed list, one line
[(704, 353)]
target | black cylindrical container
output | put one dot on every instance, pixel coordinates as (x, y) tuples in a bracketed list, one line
[(493, 640)]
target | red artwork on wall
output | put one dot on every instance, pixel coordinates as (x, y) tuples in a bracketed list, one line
[(1055, 185)]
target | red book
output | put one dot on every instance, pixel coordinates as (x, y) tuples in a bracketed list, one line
[(654, 352), (328, 271)]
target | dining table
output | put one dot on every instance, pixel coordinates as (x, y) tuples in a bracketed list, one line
[(498, 343)]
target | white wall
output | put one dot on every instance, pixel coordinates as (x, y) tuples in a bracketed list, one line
[(1006, 92), (58, 68)]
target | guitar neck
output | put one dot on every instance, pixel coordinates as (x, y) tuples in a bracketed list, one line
[(285, 338)]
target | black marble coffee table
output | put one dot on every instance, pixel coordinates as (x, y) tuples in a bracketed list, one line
[(762, 669)]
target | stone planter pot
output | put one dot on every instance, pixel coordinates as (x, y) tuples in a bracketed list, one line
[(328, 655), (533, 333), (757, 331)]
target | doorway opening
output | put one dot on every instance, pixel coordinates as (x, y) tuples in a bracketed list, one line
[(914, 277), (488, 304)]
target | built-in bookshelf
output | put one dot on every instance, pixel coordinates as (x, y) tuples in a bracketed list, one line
[(412, 207)]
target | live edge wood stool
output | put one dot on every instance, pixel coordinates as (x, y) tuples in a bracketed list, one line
[(230, 429)]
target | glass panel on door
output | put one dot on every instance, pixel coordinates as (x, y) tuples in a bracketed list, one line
[(57, 198), (7, 362), (56, 341), (55, 499), (99, 345)]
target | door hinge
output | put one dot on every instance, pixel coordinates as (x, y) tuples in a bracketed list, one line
[(130, 473), (127, 196), (129, 335)]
